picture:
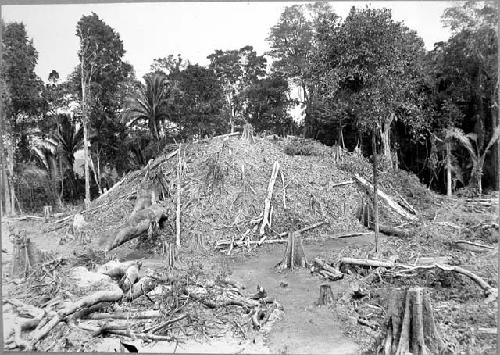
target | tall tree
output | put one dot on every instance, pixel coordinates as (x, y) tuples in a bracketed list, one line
[(236, 70), (466, 73), (374, 66), (293, 41), (22, 102), (100, 73), (268, 103), (197, 104), (150, 104)]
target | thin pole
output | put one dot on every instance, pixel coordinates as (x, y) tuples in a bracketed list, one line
[(375, 196)]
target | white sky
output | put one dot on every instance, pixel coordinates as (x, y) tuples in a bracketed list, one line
[(195, 30)]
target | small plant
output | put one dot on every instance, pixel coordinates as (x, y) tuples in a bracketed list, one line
[(215, 174), (299, 148)]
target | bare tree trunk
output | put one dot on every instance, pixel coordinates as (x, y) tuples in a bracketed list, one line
[(6, 190), (386, 139), (85, 134), (10, 178), (449, 191), (178, 211), (375, 195)]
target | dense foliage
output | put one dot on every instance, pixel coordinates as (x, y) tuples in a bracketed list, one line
[(432, 112)]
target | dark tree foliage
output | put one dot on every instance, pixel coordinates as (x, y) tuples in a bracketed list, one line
[(268, 104), (107, 72), (236, 71), (197, 103)]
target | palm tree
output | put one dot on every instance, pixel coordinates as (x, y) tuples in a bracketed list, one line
[(150, 104), (477, 156), (69, 138)]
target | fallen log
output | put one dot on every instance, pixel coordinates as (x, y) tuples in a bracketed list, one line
[(390, 202), (489, 290), (393, 231), (165, 324), (150, 216), (348, 182), (305, 229), (476, 247), (116, 269), (367, 262), (142, 336), (331, 272), (142, 287), (125, 315), (55, 317), (348, 235), (238, 301)]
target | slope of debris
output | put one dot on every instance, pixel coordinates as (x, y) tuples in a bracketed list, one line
[(224, 185)]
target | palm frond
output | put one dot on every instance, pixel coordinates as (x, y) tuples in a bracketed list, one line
[(461, 137), (493, 139)]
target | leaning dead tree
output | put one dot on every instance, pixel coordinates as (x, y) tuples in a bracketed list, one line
[(294, 253), (410, 325)]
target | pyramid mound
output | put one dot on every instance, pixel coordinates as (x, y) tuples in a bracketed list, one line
[(224, 186)]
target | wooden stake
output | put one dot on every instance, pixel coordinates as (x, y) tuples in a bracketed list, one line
[(284, 189), (267, 203), (178, 213)]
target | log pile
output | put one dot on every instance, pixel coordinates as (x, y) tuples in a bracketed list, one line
[(403, 270), (101, 312)]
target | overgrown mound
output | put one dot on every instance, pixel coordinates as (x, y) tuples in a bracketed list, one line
[(224, 184)]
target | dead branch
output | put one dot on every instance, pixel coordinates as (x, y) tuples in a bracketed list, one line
[(284, 189), (238, 301), (125, 315), (267, 203), (165, 324), (348, 182), (348, 235), (408, 269), (305, 229), (395, 206), (326, 270), (464, 244), (87, 301)]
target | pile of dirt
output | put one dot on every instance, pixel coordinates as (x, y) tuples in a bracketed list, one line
[(224, 186)]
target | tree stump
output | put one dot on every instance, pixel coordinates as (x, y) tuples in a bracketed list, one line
[(248, 132), (365, 212), (25, 256), (410, 325), (294, 253), (325, 295), (47, 212)]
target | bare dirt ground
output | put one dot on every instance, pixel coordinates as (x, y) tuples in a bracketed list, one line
[(304, 327)]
